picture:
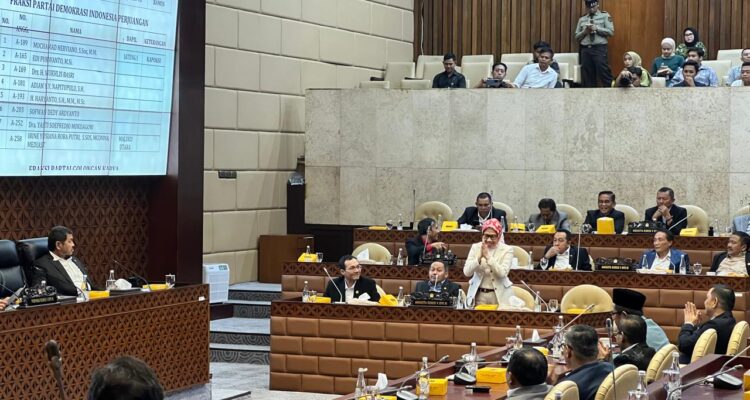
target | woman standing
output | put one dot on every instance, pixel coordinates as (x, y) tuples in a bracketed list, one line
[(488, 264)]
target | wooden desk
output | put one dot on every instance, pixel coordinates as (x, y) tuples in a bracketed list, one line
[(320, 347), (168, 329), (705, 366)]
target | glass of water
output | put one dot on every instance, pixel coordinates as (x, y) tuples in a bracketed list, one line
[(697, 268), (530, 227), (510, 344), (312, 296), (320, 257), (543, 263), (169, 280), (553, 305)]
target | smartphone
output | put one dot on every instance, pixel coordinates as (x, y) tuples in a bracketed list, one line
[(478, 389)]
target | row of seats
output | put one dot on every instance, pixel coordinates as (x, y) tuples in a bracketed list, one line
[(16, 260), (697, 217)]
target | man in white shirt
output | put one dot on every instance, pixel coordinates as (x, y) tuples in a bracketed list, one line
[(562, 255), (663, 257), (539, 75), (744, 77), (734, 72), (59, 268)]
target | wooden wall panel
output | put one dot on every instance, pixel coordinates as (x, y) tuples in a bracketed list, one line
[(512, 26)]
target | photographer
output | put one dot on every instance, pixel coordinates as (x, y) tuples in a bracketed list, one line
[(498, 78), (629, 77)]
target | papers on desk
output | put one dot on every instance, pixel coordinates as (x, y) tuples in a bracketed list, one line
[(363, 255), (652, 271)]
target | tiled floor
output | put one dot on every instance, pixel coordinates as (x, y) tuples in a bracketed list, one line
[(234, 379), (242, 325)]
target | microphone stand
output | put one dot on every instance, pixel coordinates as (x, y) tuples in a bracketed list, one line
[(680, 221), (341, 295), (55, 363), (402, 392), (534, 293), (131, 272), (578, 250), (701, 380)]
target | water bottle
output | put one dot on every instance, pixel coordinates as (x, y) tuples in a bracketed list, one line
[(515, 224), (531, 259), (400, 259), (305, 294), (308, 256), (423, 380), (683, 267), (361, 387), (440, 222), (400, 297), (471, 361), (519, 338), (537, 303), (640, 388), (111, 280), (644, 263), (505, 226), (400, 225), (674, 380), (84, 287)]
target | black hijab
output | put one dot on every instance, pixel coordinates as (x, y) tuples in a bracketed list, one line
[(696, 38)]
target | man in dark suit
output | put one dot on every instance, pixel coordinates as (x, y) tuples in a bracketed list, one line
[(483, 211), (632, 340), (425, 242), (351, 283), (582, 357), (672, 215), (527, 371), (561, 255), (718, 304), (606, 208), (59, 268), (439, 282)]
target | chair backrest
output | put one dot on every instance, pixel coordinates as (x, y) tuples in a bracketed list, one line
[(509, 214), (416, 84), (581, 296), (626, 378), (524, 295), (377, 252), (738, 339), (742, 211), (433, 209), (569, 391), (482, 58), (721, 67), (661, 361), (397, 71), (705, 345), (732, 55), (631, 214), (514, 67), (475, 71), (568, 58), (697, 218), (431, 69), (11, 271), (564, 71), (422, 60), (28, 251), (374, 85), (522, 255), (517, 57), (574, 216), (658, 82)]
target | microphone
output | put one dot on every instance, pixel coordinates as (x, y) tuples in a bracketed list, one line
[(341, 296), (705, 379), (585, 310), (403, 394), (55, 363), (728, 381), (608, 324), (578, 250), (131, 272), (679, 222), (534, 293)]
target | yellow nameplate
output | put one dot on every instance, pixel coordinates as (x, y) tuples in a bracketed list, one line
[(575, 311), (388, 397), (449, 226), (542, 350), (605, 226), (388, 300), (438, 387), (377, 228), (546, 229), (305, 257), (98, 294), (689, 232), (323, 299), (155, 286), (490, 375), (486, 307), (519, 226)]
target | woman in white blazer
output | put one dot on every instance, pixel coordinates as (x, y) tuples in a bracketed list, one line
[(488, 265)]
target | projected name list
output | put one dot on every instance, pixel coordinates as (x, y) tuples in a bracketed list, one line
[(86, 86)]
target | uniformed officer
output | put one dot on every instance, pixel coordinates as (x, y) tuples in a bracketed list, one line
[(592, 33)]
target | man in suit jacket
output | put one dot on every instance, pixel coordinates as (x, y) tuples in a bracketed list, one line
[(718, 304), (439, 282), (548, 215), (561, 255), (663, 256), (672, 215), (59, 268), (526, 375), (633, 342), (741, 224), (606, 208), (736, 259), (351, 283), (425, 242), (582, 357), (483, 211)]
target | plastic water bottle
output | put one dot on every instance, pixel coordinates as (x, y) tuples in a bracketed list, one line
[(674, 380), (305, 293), (515, 224), (537, 303), (519, 338), (640, 388), (400, 225), (308, 255), (361, 387), (531, 259), (111, 280), (400, 259), (471, 361), (423, 380), (440, 221), (683, 267), (400, 297)]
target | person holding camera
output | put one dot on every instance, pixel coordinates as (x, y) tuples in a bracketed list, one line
[(629, 77), (498, 78)]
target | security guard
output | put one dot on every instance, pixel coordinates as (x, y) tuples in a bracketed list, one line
[(592, 32)]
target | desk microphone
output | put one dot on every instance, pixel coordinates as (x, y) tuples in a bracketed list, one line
[(707, 378), (14, 295), (608, 324), (131, 272), (341, 296), (535, 295), (728, 381), (578, 250), (55, 363), (403, 394), (679, 222), (585, 310)]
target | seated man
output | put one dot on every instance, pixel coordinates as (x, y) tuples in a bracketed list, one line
[(629, 77), (526, 375), (735, 72), (629, 302), (666, 211), (498, 75), (351, 283), (736, 260), (741, 224), (59, 268), (581, 356), (704, 75), (632, 341), (561, 255), (536, 51), (425, 242), (689, 72), (548, 215), (606, 209), (438, 282), (663, 257), (484, 210), (450, 78), (125, 378), (539, 75), (719, 304), (744, 79)]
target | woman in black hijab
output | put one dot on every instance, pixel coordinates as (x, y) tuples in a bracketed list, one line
[(691, 40)]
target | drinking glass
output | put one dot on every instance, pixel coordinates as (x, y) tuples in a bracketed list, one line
[(697, 268), (510, 344), (389, 224), (586, 229), (169, 280), (312, 296), (543, 263), (530, 227), (407, 300), (320, 257), (553, 305), (469, 303)]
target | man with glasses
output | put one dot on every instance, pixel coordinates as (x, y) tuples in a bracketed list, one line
[(630, 302), (484, 210), (488, 265), (561, 255), (351, 283)]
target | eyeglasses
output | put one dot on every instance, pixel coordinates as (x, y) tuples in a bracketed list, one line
[(489, 237)]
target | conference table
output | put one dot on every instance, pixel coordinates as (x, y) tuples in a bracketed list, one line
[(703, 367), (168, 329)]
